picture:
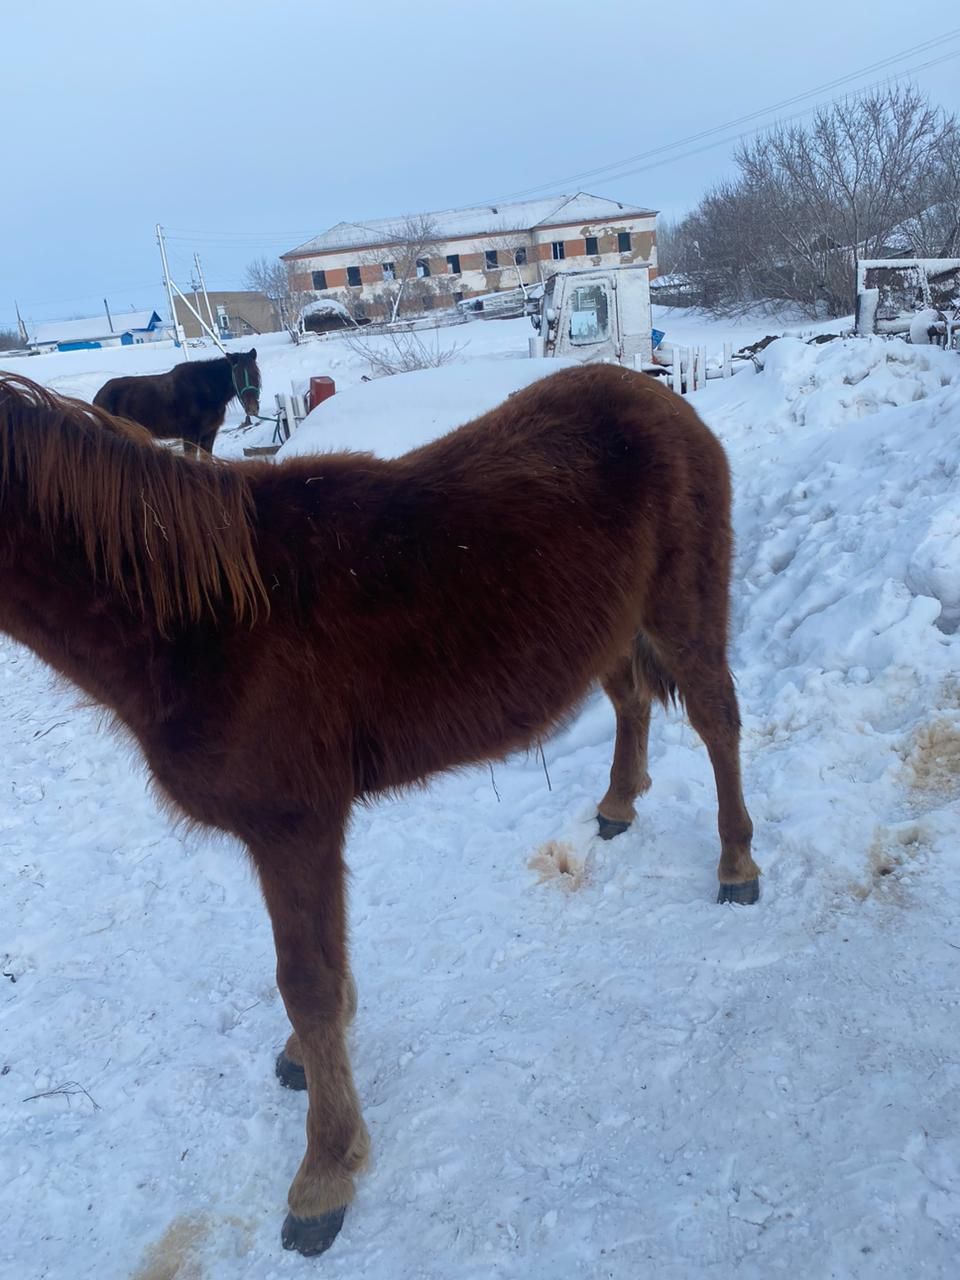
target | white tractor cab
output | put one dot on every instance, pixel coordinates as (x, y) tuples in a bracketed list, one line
[(597, 313)]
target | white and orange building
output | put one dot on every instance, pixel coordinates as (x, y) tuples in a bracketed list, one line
[(475, 251)]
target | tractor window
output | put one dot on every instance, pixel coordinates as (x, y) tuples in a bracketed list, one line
[(589, 314)]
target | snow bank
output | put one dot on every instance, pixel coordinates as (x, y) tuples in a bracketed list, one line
[(390, 416), (836, 382), (847, 513), (326, 306)]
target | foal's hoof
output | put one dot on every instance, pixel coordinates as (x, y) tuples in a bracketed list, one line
[(607, 828), (290, 1074), (746, 893), (311, 1236)]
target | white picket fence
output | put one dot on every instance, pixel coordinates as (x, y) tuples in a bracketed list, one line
[(689, 372)]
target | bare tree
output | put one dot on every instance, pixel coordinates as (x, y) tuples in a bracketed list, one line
[(671, 247), (404, 260), (11, 340), (512, 249), (389, 353), (865, 178), (835, 190), (277, 281), (934, 231)]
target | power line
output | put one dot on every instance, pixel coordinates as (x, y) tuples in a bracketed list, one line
[(560, 183), (749, 133), (227, 238), (666, 153), (183, 231)]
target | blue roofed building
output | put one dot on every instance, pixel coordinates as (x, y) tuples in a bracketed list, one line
[(124, 330)]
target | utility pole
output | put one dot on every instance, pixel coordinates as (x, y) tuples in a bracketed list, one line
[(174, 288), (109, 316), (180, 336), (203, 286), (20, 325)]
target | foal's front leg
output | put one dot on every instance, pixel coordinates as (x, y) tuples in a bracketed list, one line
[(290, 1070), (304, 890)]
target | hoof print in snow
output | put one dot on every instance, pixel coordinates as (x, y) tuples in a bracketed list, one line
[(311, 1236), (607, 829), (290, 1074), (745, 893), (556, 862)]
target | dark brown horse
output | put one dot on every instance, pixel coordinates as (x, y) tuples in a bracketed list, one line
[(286, 640), (190, 402)]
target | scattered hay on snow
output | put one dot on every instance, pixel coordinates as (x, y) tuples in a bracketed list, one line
[(556, 862)]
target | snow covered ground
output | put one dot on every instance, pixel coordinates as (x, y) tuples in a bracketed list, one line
[(598, 1075)]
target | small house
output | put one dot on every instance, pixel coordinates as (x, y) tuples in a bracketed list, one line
[(125, 330)]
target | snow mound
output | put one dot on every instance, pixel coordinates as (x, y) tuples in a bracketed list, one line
[(326, 306), (851, 378), (390, 416)]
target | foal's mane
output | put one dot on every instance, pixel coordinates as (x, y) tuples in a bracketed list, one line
[(172, 534)]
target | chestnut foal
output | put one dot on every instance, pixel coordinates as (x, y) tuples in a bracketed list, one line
[(285, 640)]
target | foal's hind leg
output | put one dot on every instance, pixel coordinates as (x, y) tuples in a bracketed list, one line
[(303, 887), (706, 686), (628, 773)]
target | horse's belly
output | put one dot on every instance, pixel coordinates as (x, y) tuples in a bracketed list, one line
[(423, 732)]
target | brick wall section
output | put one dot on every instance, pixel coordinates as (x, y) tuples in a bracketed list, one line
[(643, 242)]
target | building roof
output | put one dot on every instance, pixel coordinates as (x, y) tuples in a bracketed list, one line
[(455, 224), (93, 328)]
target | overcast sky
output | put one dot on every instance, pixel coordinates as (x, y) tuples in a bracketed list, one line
[(247, 127)]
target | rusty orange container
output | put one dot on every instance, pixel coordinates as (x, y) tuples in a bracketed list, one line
[(320, 389)]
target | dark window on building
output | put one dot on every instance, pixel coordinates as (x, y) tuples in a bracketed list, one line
[(623, 241), (558, 250), (453, 263), (423, 267), (458, 297), (593, 247), (490, 259), (389, 271), (319, 279), (520, 256), (353, 275)]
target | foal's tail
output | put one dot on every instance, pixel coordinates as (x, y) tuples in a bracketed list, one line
[(650, 674)]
